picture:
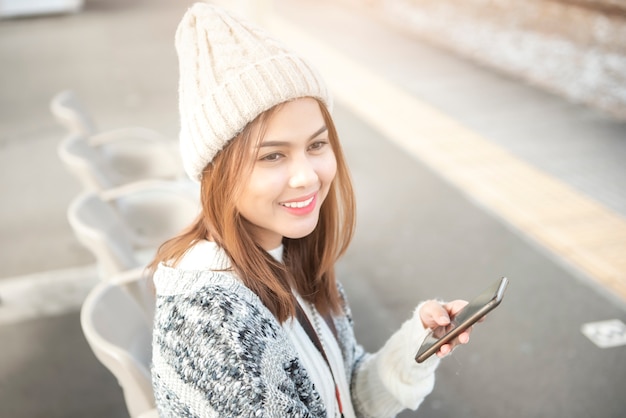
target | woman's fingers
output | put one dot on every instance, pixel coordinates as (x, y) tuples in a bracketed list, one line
[(455, 306), (433, 314)]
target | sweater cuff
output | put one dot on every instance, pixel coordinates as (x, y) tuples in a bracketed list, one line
[(394, 371)]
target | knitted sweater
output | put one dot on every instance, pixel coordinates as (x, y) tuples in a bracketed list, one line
[(219, 352)]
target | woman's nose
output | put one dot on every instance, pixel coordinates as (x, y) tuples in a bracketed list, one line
[(303, 173)]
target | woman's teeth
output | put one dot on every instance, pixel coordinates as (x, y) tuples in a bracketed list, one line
[(296, 205)]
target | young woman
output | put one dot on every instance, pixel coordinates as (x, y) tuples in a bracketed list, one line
[(250, 320)]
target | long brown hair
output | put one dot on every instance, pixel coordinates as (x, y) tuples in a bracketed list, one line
[(308, 262)]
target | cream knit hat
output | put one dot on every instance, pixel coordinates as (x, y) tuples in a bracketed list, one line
[(230, 72)]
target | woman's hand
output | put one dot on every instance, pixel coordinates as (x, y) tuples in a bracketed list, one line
[(434, 314)]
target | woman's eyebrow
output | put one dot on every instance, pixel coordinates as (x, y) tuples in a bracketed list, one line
[(318, 132), (282, 143)]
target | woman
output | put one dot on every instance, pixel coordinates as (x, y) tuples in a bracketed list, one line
[(250, 320)]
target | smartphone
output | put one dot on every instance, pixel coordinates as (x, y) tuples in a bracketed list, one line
[(465, 318)]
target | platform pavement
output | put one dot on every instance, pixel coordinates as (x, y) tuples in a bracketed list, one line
[(412, 224)]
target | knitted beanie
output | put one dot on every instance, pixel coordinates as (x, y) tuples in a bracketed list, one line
[(230, 72)]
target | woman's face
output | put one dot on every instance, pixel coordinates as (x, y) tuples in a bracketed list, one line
[(294, 167)]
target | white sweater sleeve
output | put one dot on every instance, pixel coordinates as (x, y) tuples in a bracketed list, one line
[(390, 380)]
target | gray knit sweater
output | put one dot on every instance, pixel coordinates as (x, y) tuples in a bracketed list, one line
[(219, 352)]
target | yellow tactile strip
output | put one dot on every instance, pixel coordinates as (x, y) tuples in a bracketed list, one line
[(583, 232)]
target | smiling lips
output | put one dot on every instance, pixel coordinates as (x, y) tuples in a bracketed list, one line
[(301, 207)]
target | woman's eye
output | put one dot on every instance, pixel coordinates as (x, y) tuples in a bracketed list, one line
[(271, 157), (317, 145)]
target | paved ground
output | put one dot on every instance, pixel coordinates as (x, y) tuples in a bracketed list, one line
[(422, 232)]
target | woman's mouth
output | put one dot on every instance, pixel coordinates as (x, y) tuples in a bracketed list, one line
[(301, 207), (298, 205)]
